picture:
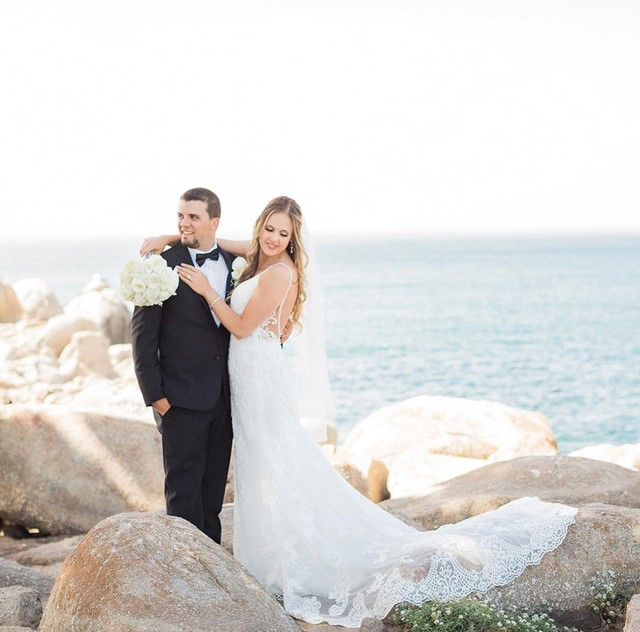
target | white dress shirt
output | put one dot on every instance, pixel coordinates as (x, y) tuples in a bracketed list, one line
[(216, 271)]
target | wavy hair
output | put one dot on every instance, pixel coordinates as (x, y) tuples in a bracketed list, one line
[(299, 256)]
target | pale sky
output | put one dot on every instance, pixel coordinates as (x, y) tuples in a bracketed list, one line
[(378, 117)]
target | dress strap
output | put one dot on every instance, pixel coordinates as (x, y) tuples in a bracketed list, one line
[(284, 298)]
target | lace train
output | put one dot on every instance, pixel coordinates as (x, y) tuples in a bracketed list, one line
[(330, 553)]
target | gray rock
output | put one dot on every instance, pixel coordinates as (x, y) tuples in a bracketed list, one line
[(632, 618), (37, 299), (48, 553), (14, 574), (78, 467), (20, 606), (571, 480), (148, 571), (602, 541)]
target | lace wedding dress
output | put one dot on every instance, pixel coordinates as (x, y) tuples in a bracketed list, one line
[(331, 554)]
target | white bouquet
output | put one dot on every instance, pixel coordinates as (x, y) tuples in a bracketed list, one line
[(237, 268), (148, 281)]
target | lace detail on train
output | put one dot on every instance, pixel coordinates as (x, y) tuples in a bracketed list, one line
[(330, 553)]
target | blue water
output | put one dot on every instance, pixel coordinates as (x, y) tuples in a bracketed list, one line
[(551, 325)]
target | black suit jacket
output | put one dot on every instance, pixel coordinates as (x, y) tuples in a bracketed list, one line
[(178, 350)]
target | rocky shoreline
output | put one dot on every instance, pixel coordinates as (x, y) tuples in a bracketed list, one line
[(85, 544)]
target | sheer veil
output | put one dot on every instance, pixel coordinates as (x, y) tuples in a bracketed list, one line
[(315, 400)]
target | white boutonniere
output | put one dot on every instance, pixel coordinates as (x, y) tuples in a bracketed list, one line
[(148, 281), (237, 268)]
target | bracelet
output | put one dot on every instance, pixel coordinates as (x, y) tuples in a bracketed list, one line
[(215, 300)]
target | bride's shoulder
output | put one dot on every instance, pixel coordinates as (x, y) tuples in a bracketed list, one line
[(281, 273)]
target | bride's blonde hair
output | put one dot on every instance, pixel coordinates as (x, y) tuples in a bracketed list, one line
[(289, 206)]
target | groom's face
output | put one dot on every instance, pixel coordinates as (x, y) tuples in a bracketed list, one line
[(196, 228)]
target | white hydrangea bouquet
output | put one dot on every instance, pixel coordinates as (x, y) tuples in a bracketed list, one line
[(148, 281)]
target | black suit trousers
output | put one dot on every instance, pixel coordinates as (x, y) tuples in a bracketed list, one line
[(196, 449)]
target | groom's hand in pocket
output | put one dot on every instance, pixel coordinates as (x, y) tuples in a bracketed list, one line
[(161, 406)]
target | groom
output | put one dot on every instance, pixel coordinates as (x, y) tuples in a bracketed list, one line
[(180, 354)]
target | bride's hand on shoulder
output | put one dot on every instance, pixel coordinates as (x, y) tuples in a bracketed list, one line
[(157, 244), (194, 278)]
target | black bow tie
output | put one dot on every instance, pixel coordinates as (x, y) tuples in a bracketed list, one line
[(201, 257)]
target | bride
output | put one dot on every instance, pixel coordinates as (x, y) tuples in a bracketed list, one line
[(307, 536)]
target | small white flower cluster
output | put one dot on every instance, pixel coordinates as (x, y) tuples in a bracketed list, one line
[(147, 282), (237, 268), (474, 614), (609, 599)]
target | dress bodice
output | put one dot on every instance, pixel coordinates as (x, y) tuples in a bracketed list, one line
[(271, 327)]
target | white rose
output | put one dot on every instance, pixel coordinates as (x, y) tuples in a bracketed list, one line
[(138, 285), (237, 267), (156, 261)]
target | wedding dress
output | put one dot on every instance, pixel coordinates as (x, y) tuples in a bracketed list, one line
[(327, 551)]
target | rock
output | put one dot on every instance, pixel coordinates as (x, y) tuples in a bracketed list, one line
[(122, 360), (20, 606), (78, 469), (104, 306), (118, 397), (13, 628), (632, 618), (87, 353), (226, 522), (602, 541), (56, 334), (141, 572), (416, 470), (14, 574), (480, 432), (322, 627), (37, 299), (373, 625), (627, 455), (47, 558), (367, 475), (564, 479), (10, 309)]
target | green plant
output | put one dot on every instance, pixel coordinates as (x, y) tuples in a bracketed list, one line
[(609, 599), (472, 615)]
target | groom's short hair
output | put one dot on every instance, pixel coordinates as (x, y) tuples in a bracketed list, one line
[(204, 195)]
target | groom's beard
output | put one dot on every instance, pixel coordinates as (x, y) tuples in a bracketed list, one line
[(190, 241)]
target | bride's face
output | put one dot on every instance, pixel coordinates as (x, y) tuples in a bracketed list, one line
[(276, 235)]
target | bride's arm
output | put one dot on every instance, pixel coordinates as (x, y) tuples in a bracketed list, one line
[(157, 244), (264, 301), (234, 247)]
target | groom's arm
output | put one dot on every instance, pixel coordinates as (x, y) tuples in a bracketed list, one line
[(145, 336)]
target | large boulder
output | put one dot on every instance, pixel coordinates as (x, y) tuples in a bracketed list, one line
[(100, 303), (56, 334), (141, 572), (64, 470), (422, 430), (603, 542), (20, 606), (37, 300), (564, 479), (10, 309), (626, 455), (87, 353)]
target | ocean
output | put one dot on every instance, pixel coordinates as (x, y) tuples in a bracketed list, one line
[(546, 324)]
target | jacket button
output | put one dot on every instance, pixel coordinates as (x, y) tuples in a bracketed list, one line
[(217, 357)]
